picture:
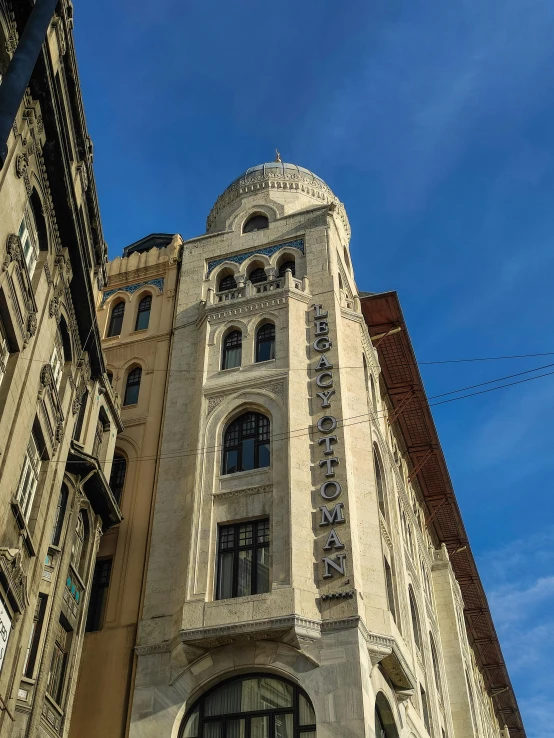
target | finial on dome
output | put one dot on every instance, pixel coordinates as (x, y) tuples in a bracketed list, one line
[(277, 157)]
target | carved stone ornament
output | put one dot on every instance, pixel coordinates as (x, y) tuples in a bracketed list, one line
[(54, 308), (11, 565), (21, 165), (76, 406), (46, 378), (213, 402), (32, 324), (13, 250), (59, 431)]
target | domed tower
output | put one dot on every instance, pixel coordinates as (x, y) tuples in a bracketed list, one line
[(266, 603)]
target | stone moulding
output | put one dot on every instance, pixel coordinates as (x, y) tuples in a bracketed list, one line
[(132, 288), (261, 489), (265, 251)]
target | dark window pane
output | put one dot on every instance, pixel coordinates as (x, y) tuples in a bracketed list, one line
[(98, 595), (245, 534), (143, 314), (117, 319), (232, 350), (257, 275), (263, 455), (265, 343), (262, 570), (248, 446), (287, 265), (256, 223), (227, 537), (263, 532), (225, 578), (133, 386), (227, 283), (244, 575), (117, 476), (259, 727), (212, 730), (231, 461)]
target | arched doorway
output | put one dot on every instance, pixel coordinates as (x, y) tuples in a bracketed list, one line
[(385, 727), (251, 706)]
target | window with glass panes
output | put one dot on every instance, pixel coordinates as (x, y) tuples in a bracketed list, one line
[(98, 595), (243, 559), (143, 313), (4, 352), (117, 476), (60, 512), (28, 480), (28, 235), (265, 342), (252, 706), (132, 388), (246, 444), (78, 542), (57, 360), (56, 675), (287, 265), (116, 320), (227, 283), (232, 350), (257, 275)]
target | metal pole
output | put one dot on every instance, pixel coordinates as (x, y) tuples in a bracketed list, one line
[(20, 68)]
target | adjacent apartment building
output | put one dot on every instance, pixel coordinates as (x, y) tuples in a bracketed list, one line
[(135, 317), (308, 570), (59, 417)]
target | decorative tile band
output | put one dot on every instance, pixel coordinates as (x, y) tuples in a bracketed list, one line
[(132, 288), (267, 251)]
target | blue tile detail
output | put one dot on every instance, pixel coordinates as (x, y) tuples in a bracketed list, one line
[(267, 251), (132, 288)]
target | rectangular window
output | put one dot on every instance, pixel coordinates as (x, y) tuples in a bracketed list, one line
[(98, 595), (390, 589), (34, 639), (58, 665), (425, 709), (243, 559), (57, 360), (4, 352), (29, 239), (28, 480)]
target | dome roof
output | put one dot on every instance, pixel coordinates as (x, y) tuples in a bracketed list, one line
[(275, 175)]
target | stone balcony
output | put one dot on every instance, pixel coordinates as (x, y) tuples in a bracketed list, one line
[(247, 289)]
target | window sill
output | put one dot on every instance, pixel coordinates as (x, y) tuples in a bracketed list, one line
[(113, 338), (139, 330), (239, 475), (232, 369), (244, 598), (267, 361), (127, 407)]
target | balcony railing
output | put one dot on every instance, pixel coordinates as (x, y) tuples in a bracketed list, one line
[(260, 288)]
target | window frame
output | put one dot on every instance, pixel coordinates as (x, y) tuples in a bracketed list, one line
[(232, 283), (258, 525), (119, 305), (99, 591), (416, 623), (35, 636), (228, 348), (255, 217), (29, 238), (260, 342), (136, 371), (286, 264), (261, 436), (58, 663), (259, 274), (119, 460), (145, 299), (29, 477)]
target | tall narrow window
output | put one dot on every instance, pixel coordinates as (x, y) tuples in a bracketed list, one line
[(265, 342), (287, 265), (60, 513), (28, 480), (227, 283), (98, 595), (117, 476), (78, 542), (243, 559), (4, 352), (28, 234), (81, 417), (34, 638), (58, 665), (379, 481), (132, 388), (232, 350), (143, 313), (373, 395), (415, 619), (390, 589), (116, 320), (257, 275), (425, 709), (435, 660), (246, 443)]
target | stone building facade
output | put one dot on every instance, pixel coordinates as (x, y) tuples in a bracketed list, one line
[(59, 417), (140, 293), (304, 576)]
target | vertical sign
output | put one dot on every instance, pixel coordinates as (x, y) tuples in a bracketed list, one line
[(5, 629)]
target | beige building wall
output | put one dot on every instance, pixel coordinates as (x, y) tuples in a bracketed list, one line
[(358, 614), (58, 415), (107, 666)]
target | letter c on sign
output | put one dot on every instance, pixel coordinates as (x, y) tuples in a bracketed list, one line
[(327, 383), (322, 344), (334, 489)]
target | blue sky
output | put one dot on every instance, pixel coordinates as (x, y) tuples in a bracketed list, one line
[(434, 124)]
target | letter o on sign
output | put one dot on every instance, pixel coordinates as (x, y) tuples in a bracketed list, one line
[(326, 424), (330, 490)]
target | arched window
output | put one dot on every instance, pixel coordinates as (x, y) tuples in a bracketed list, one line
[(246, 443), (227, 283), (143, 313), (265, 342), (116, 320), (28, 235), (379, 481), (290, 264), (373, 395), (256, 223), (257, 275), (132, 388), (435, 659), (232, 350), (60, 512), (415, 619), (253, 705), (385, 726), (117, 476)]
